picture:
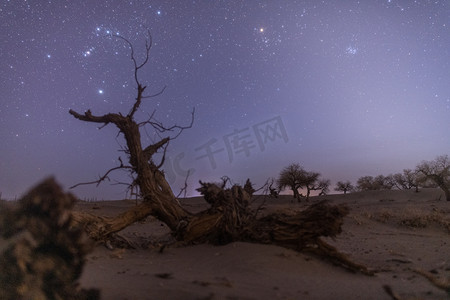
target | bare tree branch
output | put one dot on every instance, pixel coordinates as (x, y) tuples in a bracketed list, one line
[(158, 126), (88, 117), (136, 105), (163, 159), (148, 46), (141, 88), (184, 189), (152, 149), (157, 94), (104, 177)]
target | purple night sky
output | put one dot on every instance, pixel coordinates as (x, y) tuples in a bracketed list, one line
[(345, 88)]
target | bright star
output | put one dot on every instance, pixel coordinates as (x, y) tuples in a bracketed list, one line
[(100, 92), (351, 50), (261, 30), (49, 56), (88, 52), (158, 12)]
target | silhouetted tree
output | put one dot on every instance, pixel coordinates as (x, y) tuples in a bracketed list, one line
[(438, 171), (365, 183), (316, 184), (310, 181), (292, 177), (406, 180), (272, 191), (370, 183), (382, 182), (295, 177), (323, 185), (345, 187)]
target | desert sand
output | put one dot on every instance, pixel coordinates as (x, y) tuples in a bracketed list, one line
[(391, 232)]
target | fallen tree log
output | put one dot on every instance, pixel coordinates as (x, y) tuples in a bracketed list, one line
[(230, 218), (99, 228)]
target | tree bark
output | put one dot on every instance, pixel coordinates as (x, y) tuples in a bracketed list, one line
[(296, 194), (159, 199), (99, 228)]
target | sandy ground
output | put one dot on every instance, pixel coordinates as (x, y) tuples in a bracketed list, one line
[(392, 232)]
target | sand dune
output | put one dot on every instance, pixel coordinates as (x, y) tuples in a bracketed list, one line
[(392, 232)]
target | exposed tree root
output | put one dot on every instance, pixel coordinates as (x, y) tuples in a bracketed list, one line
[(330, 253)]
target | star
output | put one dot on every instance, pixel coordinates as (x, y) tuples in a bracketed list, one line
[(351, 50), (100, 91)]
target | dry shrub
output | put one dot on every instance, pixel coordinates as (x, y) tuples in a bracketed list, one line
[(43, 255), (420, 219), (411, 217), (382, 216)]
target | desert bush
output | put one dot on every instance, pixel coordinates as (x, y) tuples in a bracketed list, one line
[(413, 218)]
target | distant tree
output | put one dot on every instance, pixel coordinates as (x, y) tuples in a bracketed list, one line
[(382, 182), (370, 183), (323, 186), (365, 183), (295, 177), (438, 171), (345, 187), (406, 180), (310, 181), (292, 177), (270, 189)]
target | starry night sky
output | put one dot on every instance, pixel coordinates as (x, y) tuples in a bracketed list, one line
[(345, 88)]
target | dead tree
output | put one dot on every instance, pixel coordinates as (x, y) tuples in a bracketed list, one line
[(158, 197), (229, 217)]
